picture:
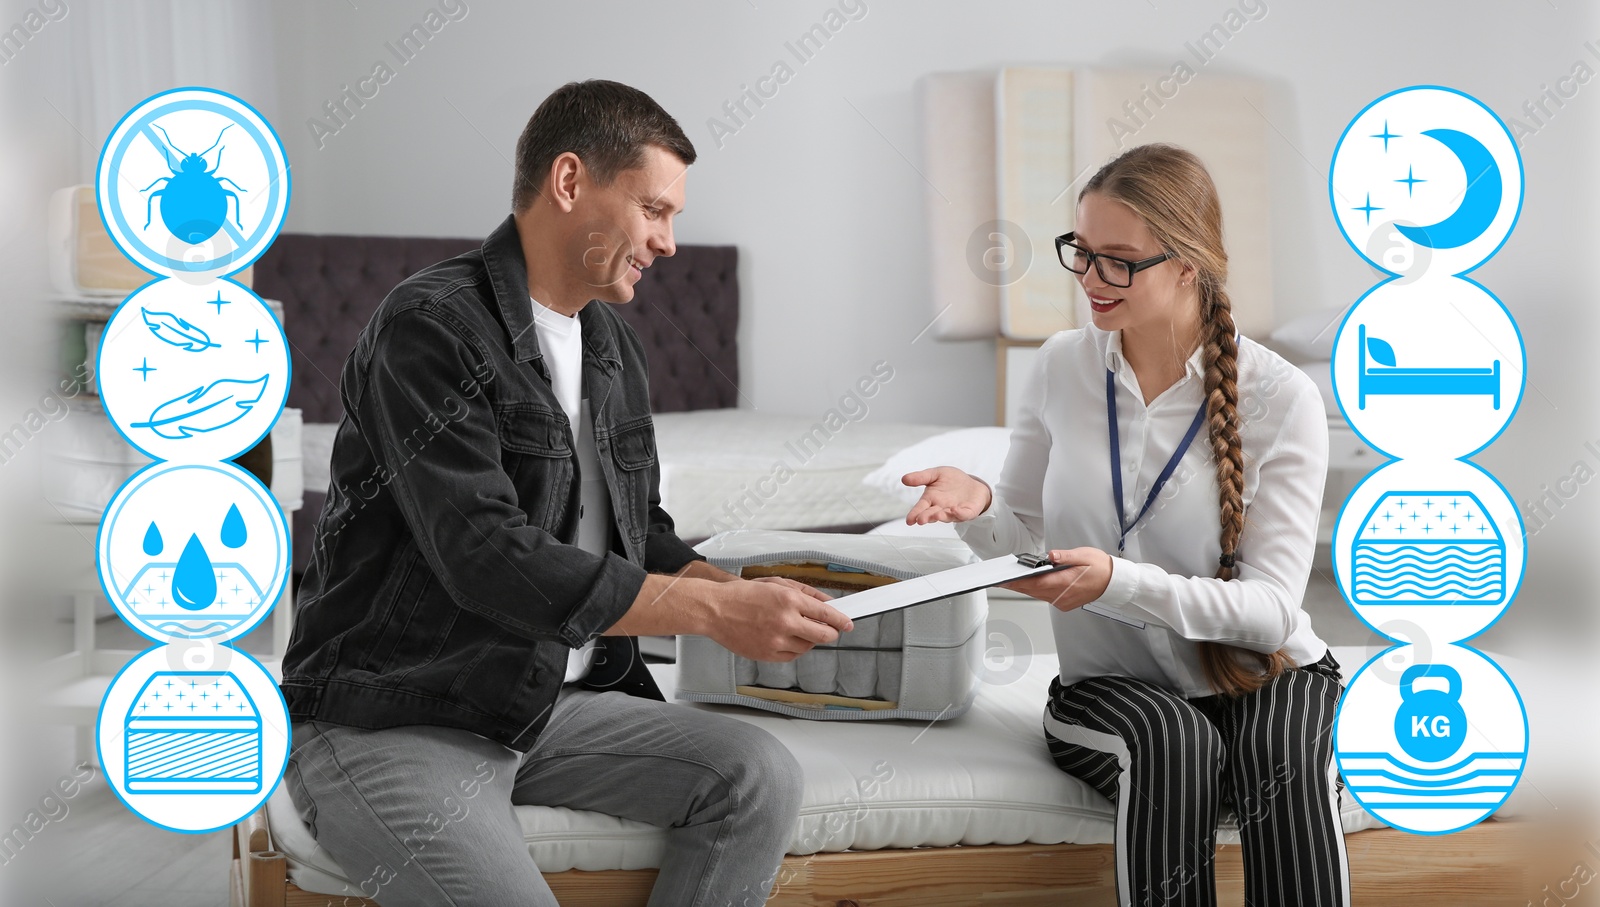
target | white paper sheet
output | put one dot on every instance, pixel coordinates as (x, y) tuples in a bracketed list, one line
[(955, 581), (935, 586)]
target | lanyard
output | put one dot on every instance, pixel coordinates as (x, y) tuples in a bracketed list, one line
[(1116, 460)]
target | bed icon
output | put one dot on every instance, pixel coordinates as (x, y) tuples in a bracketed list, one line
[(1428, 548), (193, 732), (1386, 377)]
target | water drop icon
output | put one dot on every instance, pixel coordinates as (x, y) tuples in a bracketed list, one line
[(152, 540), (194, 586), (233, 531)]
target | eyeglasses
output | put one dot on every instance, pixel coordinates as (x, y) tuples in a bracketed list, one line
[(1117, 272)]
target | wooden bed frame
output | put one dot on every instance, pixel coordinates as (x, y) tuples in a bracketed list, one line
[(1489, 864)]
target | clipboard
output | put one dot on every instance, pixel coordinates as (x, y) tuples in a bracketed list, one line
[(944, 584), (957, 580)]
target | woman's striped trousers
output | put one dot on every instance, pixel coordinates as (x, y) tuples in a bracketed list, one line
[(1169, 764)]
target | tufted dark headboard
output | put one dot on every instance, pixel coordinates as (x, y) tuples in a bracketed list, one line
[(685, 311)]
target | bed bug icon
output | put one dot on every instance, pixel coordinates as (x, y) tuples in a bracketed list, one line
[(1430, 724), (194, 204)]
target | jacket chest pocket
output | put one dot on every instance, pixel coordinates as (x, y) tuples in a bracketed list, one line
[(633, 449), (537, 454)]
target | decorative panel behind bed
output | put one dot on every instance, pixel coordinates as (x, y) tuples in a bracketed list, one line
[(685, 311)]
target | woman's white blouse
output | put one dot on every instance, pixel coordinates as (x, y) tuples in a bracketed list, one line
[(1055, 492)]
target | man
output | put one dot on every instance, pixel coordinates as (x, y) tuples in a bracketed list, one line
[(494, 509)]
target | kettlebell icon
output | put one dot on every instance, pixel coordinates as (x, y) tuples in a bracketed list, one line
[(1430, 724)]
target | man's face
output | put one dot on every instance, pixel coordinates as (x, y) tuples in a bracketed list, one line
[(623, 227)]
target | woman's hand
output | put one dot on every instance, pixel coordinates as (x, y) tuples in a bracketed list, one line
[(948, 496), (1072, 587)]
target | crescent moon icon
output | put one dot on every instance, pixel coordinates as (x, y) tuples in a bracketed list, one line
[(1479, 204)]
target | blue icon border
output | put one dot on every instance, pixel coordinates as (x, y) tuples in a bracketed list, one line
[(277, 773), (288, 373), (1511, 596), (1522, 177), (236, 260), (270, 597), (1522, 385), (1527, 739)]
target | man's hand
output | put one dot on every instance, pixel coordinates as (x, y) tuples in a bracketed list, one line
[(773, 618)]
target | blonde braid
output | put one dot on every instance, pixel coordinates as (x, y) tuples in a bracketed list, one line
[(1221, 357)]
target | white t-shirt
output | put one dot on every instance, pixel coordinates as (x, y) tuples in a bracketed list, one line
[(1055, 492), (561, 342)]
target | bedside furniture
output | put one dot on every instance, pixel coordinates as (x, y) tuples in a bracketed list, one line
[(86, 461)]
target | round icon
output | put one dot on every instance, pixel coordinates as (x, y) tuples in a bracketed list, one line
[(193, 373), (1429, 176), (1428, 369), (193, 551), (193, 182), (1433, 544), (1436, 751), (193, 750)]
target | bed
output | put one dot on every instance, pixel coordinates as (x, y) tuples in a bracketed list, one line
[(1385, 377), (959, 819), (959, 812)]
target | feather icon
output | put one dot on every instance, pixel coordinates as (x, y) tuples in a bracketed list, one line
[(218, 404), (169, 328)]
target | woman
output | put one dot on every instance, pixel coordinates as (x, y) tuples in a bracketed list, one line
[(1190, 675)]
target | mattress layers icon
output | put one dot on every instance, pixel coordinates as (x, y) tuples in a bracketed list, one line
[(193, 732), (1428, 548), (151, 596)]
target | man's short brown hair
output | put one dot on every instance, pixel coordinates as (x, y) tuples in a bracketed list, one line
[(606, 124)]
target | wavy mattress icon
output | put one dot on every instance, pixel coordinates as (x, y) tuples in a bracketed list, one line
[(1479, 781), (193, 732), (1428, 548)]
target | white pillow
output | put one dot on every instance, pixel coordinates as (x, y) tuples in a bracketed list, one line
[(1311, 335), (976, 451)]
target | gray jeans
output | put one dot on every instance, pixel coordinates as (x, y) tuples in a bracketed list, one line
[(422, 815)]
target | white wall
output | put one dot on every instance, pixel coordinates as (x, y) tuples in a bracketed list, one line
[(817, 189), (820, 192)]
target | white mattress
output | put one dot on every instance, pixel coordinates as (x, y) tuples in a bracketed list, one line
[(983, 778), (741, 469), (316, 440), (86, 461)]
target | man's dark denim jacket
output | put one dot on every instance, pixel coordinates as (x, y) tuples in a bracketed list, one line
[(446, 587)]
